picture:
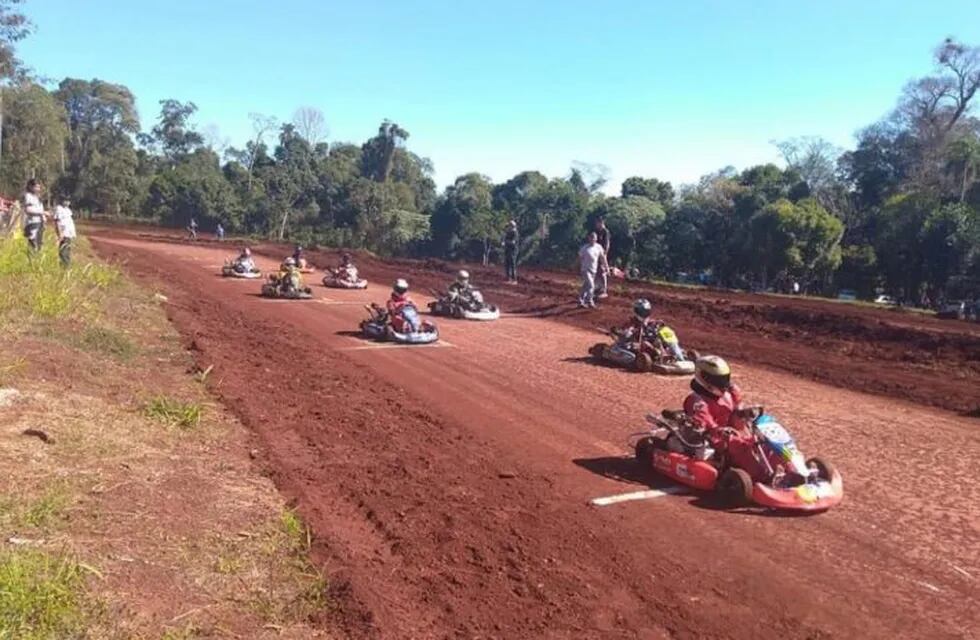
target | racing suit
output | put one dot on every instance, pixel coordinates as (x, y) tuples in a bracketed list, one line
[(713, 414), (461, 294), (395, 305), (244, 264), (347, 273), (290, 279)]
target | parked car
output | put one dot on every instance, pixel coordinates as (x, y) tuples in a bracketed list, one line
[(888, 300), (953, 310), (847, 294)]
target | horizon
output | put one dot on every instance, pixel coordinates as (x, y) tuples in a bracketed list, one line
[(502, 105)]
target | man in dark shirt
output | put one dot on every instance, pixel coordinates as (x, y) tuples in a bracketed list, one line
[(510, 252), (602, 278)]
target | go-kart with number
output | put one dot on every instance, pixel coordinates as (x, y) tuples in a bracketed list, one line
[(407, 328), (234, 269), (658, 351), (677, 449), (342, 279), (279, 286), (469, 307)]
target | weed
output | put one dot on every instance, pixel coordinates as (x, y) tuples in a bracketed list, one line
[(185, 415), (107, 341), (10, 370), (297, 535), (43, 596)]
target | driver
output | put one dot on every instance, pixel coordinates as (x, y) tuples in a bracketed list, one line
[(714, 406), (346, 271), (461, 290), (399, 298), (639, 323), (244, 262), (298, 256), (290, 278)]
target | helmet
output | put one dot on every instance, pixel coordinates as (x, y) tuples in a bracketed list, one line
[(714, 374), (290, 262), (401, 286), (463, 276), (298, 248), (345, 258), (642, 308), (247, 252)]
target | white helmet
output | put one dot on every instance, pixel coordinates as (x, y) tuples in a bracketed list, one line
[(401, 285), (290, 262), (463, 276)]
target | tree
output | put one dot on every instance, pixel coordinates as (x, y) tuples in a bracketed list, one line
[(34, 134), (470, 196), (964, 158), (310, 124), (14, 27), (173, 131), (379, 152), (101, 158), (801, 239), (662, 192), (633, 223), (194, 188), (292, 182)]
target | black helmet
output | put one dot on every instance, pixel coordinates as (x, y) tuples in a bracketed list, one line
[(642, 308), (345, 258)]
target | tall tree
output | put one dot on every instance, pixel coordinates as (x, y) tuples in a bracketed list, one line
[(310, 124), (379, 151), (34, 134), (174, 132)]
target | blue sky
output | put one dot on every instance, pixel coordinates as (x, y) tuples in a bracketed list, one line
[(665, 88)]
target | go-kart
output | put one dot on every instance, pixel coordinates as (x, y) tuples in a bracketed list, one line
[(659, 351), (232, 269), (407, 328), (677, 449), (341, 279), (471, 307), (275, 287)]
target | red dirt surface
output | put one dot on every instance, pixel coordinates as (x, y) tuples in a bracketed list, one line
[(447, 486)]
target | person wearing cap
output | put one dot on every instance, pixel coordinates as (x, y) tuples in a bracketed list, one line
[(510, 252), (64, 226), (714, 405), (34, 214)]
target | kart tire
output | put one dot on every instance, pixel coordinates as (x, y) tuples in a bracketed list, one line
[(643, 363), (458, 312), (692, 355), (825, 470), (735, 487), (644, 450), (597, 350)]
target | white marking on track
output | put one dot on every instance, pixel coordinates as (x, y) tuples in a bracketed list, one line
[(329, 301), (637, 495), (389, 345)]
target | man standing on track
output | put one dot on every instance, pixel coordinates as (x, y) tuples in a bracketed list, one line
[(592, 258), (510, 252), (34, 215), (604, 240)]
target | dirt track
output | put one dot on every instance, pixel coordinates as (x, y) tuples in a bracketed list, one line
[(448, 485)]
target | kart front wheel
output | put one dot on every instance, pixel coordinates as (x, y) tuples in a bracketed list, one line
[(644, 450), (643, 363), (597, 350), (825, 470), (735, 487)]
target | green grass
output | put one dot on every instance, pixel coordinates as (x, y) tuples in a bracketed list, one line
[(41, 512), (42, 596), (106, 341), (36, 284), (297, 534), (184, 415)]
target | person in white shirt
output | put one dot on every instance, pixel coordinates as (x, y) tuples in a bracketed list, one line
[(64, 225), (34, 214), (592, 257)]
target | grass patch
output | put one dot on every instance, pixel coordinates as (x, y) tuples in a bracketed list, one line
[(37, 285), (107, 341), (10, 370), (42, 596), (41, 512), (174, 413)]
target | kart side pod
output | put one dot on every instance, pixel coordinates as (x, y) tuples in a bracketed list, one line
[(693, 473)]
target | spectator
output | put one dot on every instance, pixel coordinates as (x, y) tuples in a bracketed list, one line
[(604, 240), (219, 231), (34, 215), (592, 259), (510, 252), (192, 229), (64, 225)]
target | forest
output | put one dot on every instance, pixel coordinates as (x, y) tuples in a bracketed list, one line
[(897, 213)]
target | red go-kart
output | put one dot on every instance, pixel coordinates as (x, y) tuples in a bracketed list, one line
[(677, 449)]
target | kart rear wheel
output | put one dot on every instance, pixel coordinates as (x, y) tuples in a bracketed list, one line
[(644, 450), (825, 470), (643, 363), (458, 312), (597, 350), (735, 487)]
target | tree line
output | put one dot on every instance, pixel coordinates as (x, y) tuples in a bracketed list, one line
[(900, 212)]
